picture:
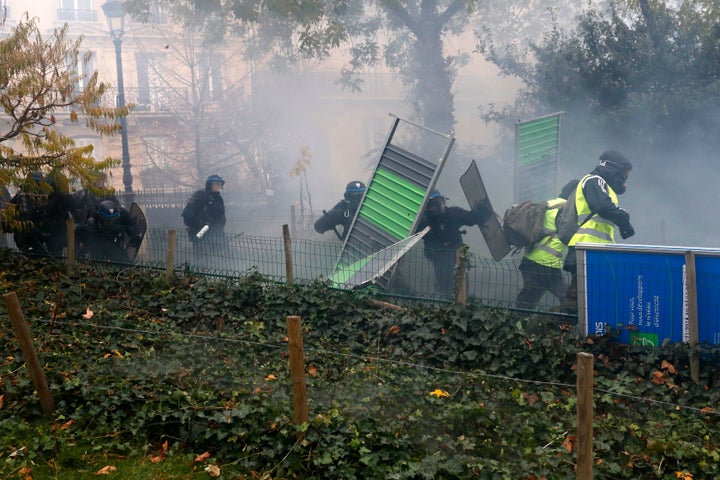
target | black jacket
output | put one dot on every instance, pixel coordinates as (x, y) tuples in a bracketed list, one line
[(341, 214), (445, 228), (204, 208), (598, 199)]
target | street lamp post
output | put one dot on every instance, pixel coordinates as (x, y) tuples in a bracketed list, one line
[(115, 13)]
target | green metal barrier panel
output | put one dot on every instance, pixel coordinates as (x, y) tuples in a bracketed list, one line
[(537, 147), (390, 209)]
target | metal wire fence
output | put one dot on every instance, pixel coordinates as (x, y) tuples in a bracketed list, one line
[(494, 283)]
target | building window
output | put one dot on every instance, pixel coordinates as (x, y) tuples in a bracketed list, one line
[(83, 70), (4, 11), (77, 10), (157, 15), (151, 93), (211, 75), (158, 172)]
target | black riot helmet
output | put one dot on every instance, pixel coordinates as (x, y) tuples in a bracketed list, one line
[(435, 203), (214, 178), (615, 169), (107, 211), (354, 190)]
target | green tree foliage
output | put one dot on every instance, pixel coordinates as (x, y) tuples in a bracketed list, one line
[(649, 81), (39, 95)]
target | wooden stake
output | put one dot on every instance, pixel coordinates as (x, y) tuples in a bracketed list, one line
[(170, 260), (584, 447), (381, 304), (297, 370), (288, 255), (692, 315), (28, 350)]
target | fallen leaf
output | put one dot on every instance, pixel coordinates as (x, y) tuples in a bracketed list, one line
[(270, 377), (213, 471), (312, 371), (202, 457), (668, 366), (163, 453), (106, 470), (439, 393), (88, 314), (394, 330), (658, 378)]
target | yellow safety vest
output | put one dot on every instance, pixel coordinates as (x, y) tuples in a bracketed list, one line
[(550, 250), (597, 229)]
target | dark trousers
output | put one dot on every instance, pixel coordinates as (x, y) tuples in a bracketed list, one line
[(570, 302), (443, 262), (537, 280)]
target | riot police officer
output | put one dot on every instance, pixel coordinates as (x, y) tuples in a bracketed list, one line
[(108, 233), (343, 212)]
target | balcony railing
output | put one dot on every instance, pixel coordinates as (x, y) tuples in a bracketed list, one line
[(149, 100), (76, 15)]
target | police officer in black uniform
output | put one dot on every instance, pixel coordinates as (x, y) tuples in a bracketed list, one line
[(107, 234), (204, 217), (343, 212), (445, 237)]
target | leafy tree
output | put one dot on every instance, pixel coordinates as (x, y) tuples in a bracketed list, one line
[(413, 38), (649, 82), (38, 89)]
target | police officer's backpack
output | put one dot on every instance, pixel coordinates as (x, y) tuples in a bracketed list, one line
[(523, 224)]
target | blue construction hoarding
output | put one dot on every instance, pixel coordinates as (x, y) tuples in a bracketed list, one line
[(644, 290)]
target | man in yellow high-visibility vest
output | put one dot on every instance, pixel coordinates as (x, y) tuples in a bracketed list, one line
[(541, 266), (597, 212)]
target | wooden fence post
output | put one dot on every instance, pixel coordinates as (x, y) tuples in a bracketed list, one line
[(170, 260), (288, 255), (70, 224), (28, 350), (692, 315), (584, 447), (297, 370)]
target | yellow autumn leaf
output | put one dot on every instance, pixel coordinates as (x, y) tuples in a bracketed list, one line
[(88, 314), (270, 377), (439, 393)]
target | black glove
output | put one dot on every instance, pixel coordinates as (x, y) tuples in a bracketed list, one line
[(483, 213), (627, 231)]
